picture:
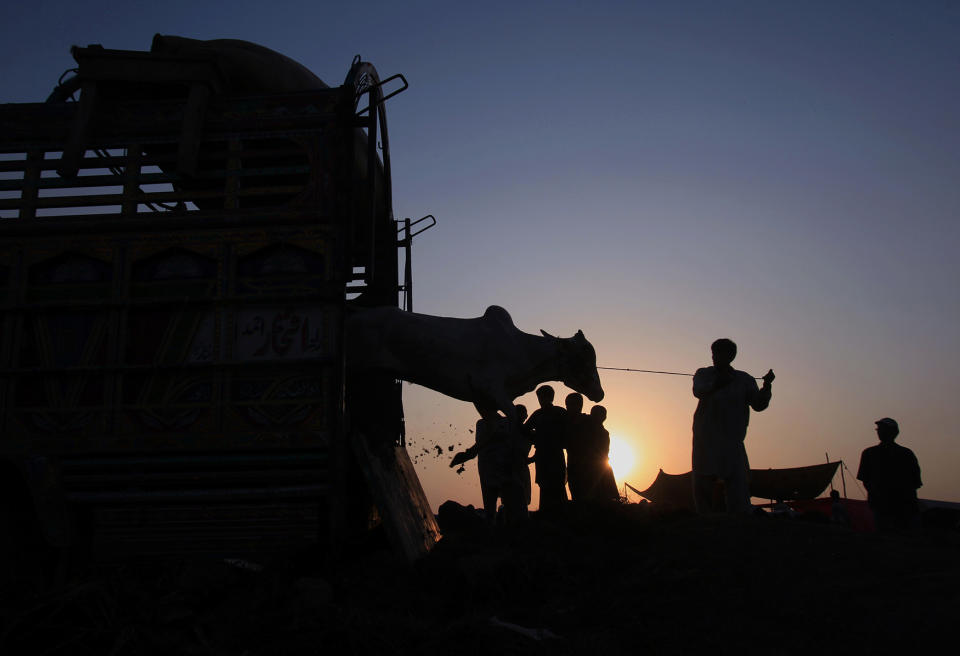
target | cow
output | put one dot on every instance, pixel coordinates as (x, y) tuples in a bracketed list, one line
[(486, 361)]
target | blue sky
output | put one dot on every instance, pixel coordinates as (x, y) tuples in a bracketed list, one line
[(658, 175)]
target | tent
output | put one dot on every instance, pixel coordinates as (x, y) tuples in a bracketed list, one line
[(676, 490)]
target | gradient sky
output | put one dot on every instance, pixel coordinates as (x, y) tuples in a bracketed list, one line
[(658, 175)]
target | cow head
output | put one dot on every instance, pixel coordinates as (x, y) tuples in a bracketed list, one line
[(578, 365)]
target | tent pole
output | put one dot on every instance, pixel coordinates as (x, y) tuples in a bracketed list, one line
[(828, 462), (843, 480)]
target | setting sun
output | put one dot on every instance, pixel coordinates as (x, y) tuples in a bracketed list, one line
[(621, 457)]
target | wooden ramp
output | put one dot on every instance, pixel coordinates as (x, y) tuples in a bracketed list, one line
[(396, 490)]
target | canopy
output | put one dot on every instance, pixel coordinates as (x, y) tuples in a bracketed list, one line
[(781, 484)]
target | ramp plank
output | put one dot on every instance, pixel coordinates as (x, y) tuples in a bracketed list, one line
[(396, 490)]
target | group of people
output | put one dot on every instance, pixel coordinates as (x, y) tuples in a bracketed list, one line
[(570, 448), (586, 469), (890, 472), (573, 447)]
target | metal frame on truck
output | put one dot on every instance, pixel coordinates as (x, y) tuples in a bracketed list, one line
[(174, 268)]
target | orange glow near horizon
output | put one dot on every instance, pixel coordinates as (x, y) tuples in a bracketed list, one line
[(622, 457)]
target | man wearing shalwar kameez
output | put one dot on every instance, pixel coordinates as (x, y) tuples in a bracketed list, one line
[(720, 426)]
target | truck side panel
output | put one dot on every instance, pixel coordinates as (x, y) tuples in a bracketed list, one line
[(171, 378)]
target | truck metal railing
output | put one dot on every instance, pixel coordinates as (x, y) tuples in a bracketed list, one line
[(363, 78), (242, 171), (406, 231)]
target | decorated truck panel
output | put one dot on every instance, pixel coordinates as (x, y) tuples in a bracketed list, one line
[(174, 266)]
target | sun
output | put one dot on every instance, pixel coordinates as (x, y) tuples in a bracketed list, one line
[(622, 457)]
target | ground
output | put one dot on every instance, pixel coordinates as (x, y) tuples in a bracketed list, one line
[(613, 580)]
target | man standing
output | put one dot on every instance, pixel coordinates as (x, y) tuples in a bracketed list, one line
[(578, 451), (500, 449), (891, 474), (720, 426), (545, 428), (603, 485)]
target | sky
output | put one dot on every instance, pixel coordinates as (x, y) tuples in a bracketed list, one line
[(658, 175)]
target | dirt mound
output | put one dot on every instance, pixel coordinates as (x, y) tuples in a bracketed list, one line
[(598, 580)]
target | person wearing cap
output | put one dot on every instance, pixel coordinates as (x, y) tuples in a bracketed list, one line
[(725, 397), (891, 474)]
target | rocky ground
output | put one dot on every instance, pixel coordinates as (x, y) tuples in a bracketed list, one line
[(614, 580)]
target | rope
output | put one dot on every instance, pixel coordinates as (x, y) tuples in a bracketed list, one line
[(855, 481), (645, 371), (651, 371)]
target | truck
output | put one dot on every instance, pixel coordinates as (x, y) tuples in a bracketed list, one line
[(176, 263)]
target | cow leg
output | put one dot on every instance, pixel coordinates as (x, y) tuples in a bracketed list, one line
[(487, 410)]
